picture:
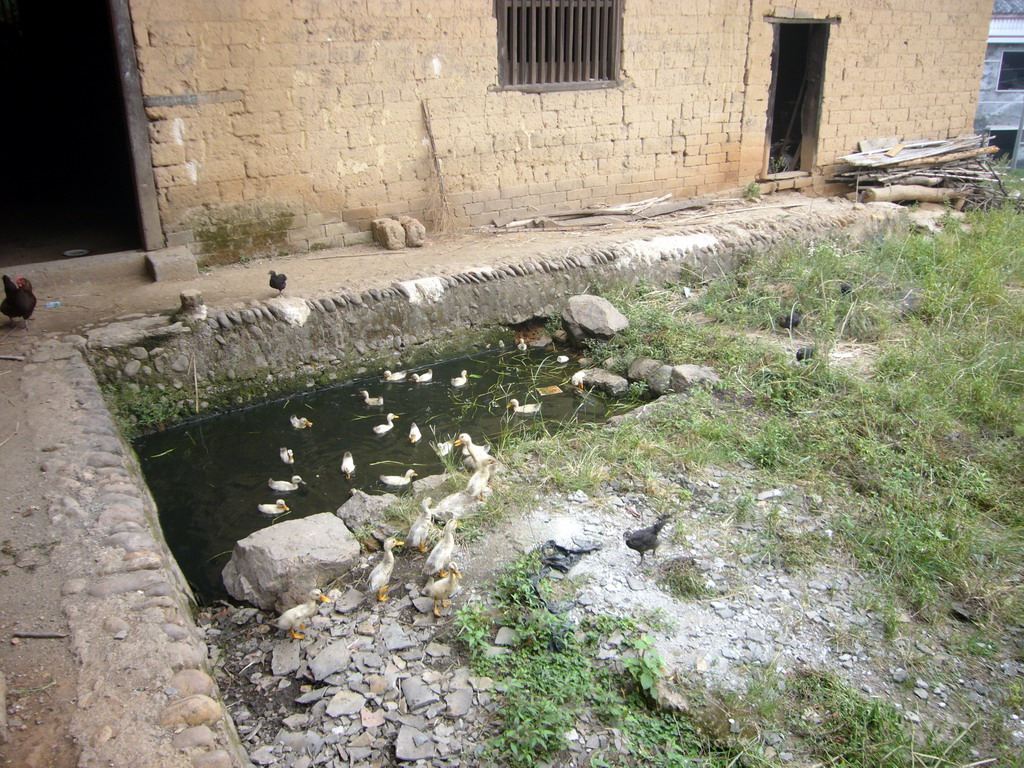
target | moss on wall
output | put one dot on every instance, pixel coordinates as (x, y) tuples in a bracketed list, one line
[(236, 233)]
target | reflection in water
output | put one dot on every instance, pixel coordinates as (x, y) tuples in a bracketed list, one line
[(208, 477)]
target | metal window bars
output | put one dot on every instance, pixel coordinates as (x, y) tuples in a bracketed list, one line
[(559, 42)]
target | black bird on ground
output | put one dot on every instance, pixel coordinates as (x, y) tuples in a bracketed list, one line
[(804, 353), (277, 282), (645, 540), (790, 320), (845, 288)]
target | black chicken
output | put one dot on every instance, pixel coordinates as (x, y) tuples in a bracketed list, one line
[(790, 320), (19, 301), (277, 282), (804, 353), (645, 540)]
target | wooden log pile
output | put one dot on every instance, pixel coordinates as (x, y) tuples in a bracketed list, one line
[(956, 171)]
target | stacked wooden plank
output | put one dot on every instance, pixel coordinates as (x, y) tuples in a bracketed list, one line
[(952, 170)]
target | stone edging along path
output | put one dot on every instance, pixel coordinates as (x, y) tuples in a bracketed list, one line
[(145, 698)]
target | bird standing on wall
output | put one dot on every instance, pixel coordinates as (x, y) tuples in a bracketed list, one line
[(277, 282), (645, 540), (19, 301)]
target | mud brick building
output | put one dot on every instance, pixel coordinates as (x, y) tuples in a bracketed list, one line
[(290, 124)]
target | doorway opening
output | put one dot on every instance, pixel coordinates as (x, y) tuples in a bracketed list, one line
[(794, 102), (67, 183)]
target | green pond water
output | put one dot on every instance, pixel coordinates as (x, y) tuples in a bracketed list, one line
[(209, 476)]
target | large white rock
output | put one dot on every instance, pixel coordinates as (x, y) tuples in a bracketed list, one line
[(276, 567), (291, 311), (588, 316)]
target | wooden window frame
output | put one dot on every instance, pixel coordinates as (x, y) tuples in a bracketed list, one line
[(558, 45)]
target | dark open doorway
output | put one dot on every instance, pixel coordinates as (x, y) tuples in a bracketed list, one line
[(794, 104), (66, 181)]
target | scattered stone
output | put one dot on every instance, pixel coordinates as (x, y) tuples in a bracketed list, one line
[(459, 702), (192, 681), (219, 758), (686, 376), (362, 508), (388, 233), (506, 637), (415, 232), (286, 657), (331, 659), (196, 736), (345, 703), (413, 744), (192, 710), (286, 560), (587, 316), (417, 694)]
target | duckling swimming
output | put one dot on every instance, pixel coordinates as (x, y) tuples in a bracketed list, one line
[(396, 376), (300, 422), (348, 464), (380, 576), (414, 433), (371, 401), (423, 378), (420, 530), (381, 429), (528, 408), (274, 509), (295, 618), (284, 485), (287, 456), (461, 380), (399, 480)]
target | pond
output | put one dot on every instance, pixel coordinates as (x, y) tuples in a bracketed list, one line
[(208, 477)]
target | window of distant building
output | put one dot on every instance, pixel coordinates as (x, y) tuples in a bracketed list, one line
[(1011, 71), (558, 44)]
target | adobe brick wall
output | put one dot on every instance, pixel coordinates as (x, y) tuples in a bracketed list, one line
[(314, 108)]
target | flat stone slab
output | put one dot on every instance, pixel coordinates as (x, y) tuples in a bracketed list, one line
[(175, 263), (333, 658)]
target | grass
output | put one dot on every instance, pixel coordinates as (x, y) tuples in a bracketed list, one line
[(922, 457), (552, 679)]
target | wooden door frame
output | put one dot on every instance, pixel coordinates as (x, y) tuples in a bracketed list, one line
[(810, 116), (138, 126)]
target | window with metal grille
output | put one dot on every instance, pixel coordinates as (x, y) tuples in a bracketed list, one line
[(554, 44)]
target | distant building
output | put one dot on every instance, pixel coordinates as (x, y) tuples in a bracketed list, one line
[(237, 127), (1001, 104)]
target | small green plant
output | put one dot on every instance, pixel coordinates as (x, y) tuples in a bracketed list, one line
[(683, 579), (752, 191)]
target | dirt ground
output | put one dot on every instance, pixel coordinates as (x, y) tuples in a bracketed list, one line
[(40, 673)]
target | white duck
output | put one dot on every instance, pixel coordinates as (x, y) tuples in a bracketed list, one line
[(295, 618), (284, 485), (578, 378), (274, 509), (423, 378), (528, 408), (475, 454), (348, 464), (287, 456), (380, 576), (419, 531), (372, 401), (382, 429), (461, 380), (477, 485), (395, 376), (300, 422), (444, 448), (442, 551), (440, 590), (399, 480), (414, 433)]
